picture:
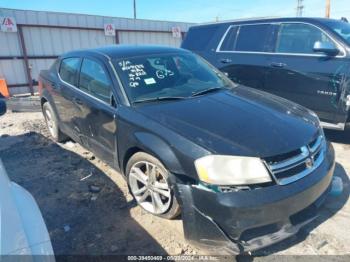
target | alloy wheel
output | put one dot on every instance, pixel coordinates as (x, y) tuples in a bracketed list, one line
[(150, 188), (50, 122)]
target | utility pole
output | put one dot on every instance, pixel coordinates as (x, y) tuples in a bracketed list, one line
[(300, 7), (134, 9), (328, 8)]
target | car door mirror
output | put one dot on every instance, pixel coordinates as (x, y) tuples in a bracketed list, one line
[(2, 107), (326, 48)]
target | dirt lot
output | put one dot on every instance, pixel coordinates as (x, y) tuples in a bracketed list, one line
[(88, 210)]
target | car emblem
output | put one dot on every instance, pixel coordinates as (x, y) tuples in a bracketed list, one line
[(309, 163)]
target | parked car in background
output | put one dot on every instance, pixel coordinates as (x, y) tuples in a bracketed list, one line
[(246, 168), (306, 60), (23, 230)]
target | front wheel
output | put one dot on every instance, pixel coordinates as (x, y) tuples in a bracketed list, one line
[(149, 183)]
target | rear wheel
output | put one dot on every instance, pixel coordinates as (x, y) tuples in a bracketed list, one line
[(52, 123), (149, 183)]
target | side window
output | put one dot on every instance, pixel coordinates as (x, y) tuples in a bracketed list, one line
[(198, 38), (230, 39), (299, 38), (94, 80), (253, 38), (69, 70)]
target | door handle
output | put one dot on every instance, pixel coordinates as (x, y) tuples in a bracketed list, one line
[(54, 85), (78, 101), (226, 60), (278, 65)]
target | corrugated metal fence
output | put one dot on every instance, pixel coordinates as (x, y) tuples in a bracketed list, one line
[(42, 36)]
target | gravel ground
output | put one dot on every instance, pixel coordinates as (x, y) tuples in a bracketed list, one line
[(88, 210)]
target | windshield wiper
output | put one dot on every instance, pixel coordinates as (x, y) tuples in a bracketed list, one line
[(206, 91), (159, 98)]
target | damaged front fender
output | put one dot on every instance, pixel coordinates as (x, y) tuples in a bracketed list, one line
[(201, 230)]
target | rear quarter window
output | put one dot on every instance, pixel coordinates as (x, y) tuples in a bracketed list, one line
[(198, 38), (54, 66)]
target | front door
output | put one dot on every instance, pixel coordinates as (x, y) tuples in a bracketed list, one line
[(299, 74), (65, 92), (99, 109)]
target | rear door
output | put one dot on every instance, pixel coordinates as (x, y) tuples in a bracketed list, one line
[(65, 91), (303, 76), (242, 53), (99, 108)]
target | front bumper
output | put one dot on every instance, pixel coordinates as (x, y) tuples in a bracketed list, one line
[(242, 221)]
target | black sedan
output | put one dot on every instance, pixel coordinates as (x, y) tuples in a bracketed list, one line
[(245, 168)]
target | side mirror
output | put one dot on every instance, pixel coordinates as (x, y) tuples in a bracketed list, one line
[(2, 107), (326, 48)]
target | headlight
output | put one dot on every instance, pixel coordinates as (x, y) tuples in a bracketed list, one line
[(231, 170)]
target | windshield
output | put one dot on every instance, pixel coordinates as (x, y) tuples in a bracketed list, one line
[(159, 76), (341, 28)]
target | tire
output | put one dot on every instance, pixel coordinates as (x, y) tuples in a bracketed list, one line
[(52, 124), (152, 189)]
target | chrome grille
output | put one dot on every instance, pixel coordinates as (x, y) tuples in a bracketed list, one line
[(287, 168)]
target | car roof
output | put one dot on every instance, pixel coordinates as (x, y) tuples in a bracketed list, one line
[(318, 20), (122, 51)]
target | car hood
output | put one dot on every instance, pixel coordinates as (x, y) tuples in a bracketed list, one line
[(241, 121)]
